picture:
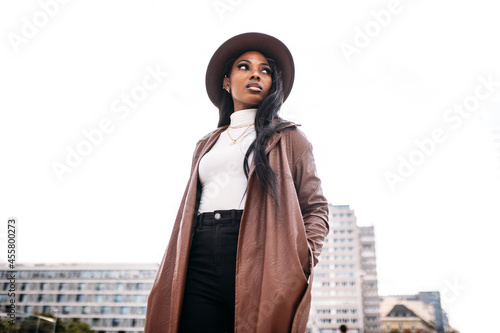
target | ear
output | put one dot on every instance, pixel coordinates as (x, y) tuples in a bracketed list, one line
[(225, 84)]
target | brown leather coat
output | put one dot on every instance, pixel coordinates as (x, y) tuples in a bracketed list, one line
[(276, 252)]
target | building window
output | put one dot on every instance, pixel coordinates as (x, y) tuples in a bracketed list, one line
[(124, 310), (116, 322), (104, 309), (62, 286), (60, 298), (85, 309), (118, 298), (46, 309), (43, 286), (79, 298), (98, 298), (41, 298), (66, 309)]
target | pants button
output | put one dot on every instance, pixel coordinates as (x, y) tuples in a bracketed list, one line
[(217, 216)]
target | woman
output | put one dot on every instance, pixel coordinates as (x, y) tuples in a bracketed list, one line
[(253, 217)]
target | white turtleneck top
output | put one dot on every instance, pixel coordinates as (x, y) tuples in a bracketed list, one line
[(221, 172)]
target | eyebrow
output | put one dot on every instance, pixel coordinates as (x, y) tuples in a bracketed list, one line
[(262, 63)]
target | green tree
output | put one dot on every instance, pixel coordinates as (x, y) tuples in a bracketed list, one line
[(4, 326), (77, 326), (73, 325)]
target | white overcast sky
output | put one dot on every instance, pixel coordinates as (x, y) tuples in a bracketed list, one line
[(364, 109)]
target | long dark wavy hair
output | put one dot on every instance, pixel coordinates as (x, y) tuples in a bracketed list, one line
[(267, 122)]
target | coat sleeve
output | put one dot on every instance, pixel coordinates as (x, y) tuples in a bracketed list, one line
[(313, 203)]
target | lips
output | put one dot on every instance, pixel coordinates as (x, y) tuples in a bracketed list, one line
[(254, 86)]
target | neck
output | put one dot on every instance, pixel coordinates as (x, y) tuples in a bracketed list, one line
[(243, 117)]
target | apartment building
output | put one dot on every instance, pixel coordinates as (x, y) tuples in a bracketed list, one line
[(109, 297), (345, 290)]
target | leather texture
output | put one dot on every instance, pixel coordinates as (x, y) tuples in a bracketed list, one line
[(277, 250)]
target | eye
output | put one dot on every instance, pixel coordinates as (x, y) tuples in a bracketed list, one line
[(267, 70), (243, 66)]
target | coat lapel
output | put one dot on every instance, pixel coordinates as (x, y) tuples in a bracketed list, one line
[(270, 144)]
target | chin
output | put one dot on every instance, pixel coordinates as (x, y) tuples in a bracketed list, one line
[(254, 101)]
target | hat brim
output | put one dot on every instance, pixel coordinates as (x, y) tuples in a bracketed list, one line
[(269, 46)]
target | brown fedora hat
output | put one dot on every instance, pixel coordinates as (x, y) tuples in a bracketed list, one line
[(269, 46)]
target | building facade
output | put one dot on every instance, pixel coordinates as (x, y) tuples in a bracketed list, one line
[(404, 320), (369, 280), (433, 311), (108, 297), (345, 287)]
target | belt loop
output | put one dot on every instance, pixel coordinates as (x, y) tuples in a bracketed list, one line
[(233, 217)]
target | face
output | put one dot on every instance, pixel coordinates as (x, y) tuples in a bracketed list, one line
[(249, 81)]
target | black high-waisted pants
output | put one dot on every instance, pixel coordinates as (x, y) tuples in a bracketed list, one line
[(208, 304)]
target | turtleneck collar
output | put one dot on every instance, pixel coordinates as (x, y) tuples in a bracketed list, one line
[(243, 117)]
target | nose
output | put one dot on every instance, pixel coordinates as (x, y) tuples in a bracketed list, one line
[(255, 75)]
